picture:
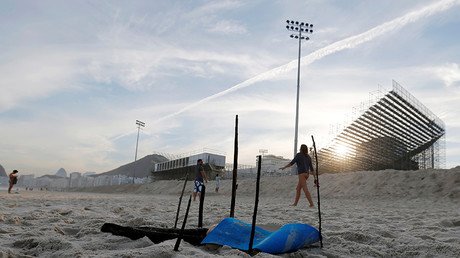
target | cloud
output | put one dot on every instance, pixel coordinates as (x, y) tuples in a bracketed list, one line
[(228, 27), (213, 7), (27, 78), (348, 43), (450, 74)]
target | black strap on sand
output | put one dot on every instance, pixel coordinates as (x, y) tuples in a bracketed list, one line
[(317, 191), (180, 200), (256, 204), (176, 246)]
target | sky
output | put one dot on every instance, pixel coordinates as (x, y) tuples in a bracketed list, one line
[(76, 75)]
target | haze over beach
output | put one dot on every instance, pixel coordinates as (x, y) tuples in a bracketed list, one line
[(76, 75)]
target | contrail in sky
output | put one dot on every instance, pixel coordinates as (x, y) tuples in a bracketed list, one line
[(350, 42)]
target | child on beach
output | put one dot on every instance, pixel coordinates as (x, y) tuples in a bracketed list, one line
[(217, 183), (304, 166)]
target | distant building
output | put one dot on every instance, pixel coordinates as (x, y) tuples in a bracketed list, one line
[(89, 173), (49, 182), (87, 181), (75, 179), (26, 181), (177, 168), (208, 158), (271, 164), (102, 180), (269, 167)]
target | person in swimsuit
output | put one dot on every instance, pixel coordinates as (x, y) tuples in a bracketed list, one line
[(199, 176), (13, 176), (304, 166)]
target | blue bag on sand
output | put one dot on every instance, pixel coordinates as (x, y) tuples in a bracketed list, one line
[(236, 234)]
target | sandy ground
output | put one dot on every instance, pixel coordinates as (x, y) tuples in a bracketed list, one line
[(364, 214)]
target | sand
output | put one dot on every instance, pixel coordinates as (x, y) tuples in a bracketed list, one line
[(364, 214)]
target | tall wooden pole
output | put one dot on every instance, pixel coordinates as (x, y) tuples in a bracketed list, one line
[(235, 173), (317, 193), (256, 204), (180, 200), (181, 234), (200, 210)]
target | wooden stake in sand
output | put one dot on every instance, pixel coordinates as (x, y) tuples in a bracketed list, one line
[(176, 246), (180, 200), (200, 211), (235, 166), (256, 204), (317, 192)]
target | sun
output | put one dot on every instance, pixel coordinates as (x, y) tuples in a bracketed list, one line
[(343, 150)]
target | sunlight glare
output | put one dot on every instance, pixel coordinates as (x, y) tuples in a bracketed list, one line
[(342, 150)]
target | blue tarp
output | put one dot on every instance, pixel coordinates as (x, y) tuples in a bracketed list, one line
[(236, 234)]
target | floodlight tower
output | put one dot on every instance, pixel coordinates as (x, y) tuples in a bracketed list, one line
[(298, 29), (139, 124)]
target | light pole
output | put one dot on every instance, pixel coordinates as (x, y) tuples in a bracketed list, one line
[(298, 28), (139, 124)]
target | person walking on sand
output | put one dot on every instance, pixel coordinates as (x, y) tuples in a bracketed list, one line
[(199, 176), (304, 166), (13, 179), (217, 182)]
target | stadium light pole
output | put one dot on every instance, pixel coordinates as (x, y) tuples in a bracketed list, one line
[(298, 29), (139, 124)]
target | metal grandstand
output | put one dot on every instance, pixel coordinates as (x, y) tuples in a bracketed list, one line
[(394, 131)]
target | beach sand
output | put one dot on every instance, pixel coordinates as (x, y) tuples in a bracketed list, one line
[(364, 214)]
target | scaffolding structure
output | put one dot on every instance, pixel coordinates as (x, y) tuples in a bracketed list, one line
[(392, 131)]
